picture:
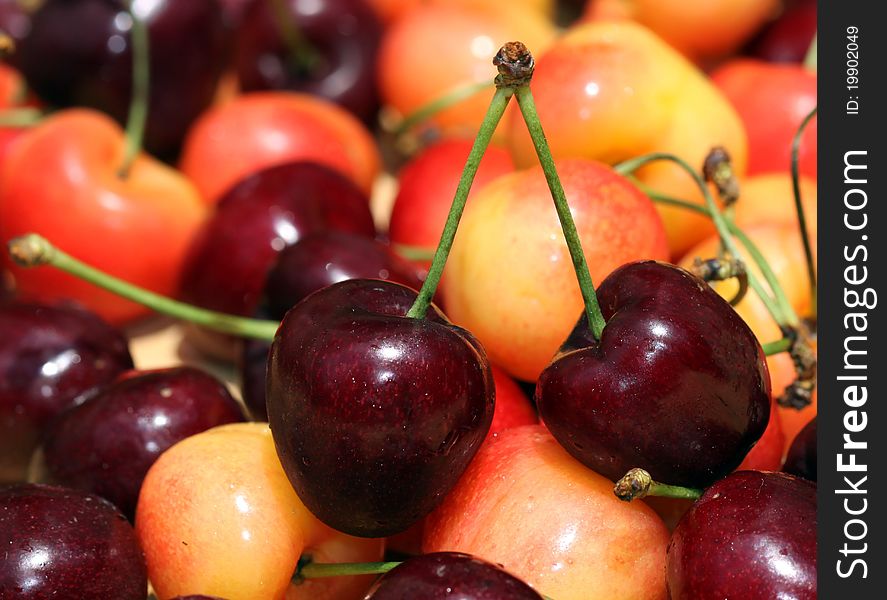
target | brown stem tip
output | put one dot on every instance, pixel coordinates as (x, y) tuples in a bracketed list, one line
[(30, 250), (799, 393), (633, 485), (720, 269), (515, 64), (7, 45), (718, 169)]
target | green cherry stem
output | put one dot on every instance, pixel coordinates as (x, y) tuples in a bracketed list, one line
[(138, 107), (416, 253), (596, 321), (33, 250), (301, 54), (451, 98), (494, 114), (802, 219), (638, 483), (781, 308), (771, 347), (777, 347), (20, 117), (753, 282), (308, 569), (810, 57)]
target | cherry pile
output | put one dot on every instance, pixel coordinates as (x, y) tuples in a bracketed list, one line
[(539, 328)]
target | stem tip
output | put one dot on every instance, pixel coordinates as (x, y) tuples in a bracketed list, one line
[(515, 64), (633, 485), (7, 45), (718, 169), (30, 250)]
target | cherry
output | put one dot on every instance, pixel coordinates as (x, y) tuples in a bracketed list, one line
[(443, 575), (108, 443), (789, 37), (677, 384), (231, 254), (328, 257), (751, 536), (801, 458), (51, 358), (79, 53), (325, 48), (314, 262), (375, 414), (64, 543)]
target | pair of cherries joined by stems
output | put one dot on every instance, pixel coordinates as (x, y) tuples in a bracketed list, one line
[(377, 403)]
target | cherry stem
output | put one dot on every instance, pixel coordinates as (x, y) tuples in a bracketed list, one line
[(416, 253), (596, 321), (494, 113), (780, 308), (802, 220), (20, 117), (451, 98), (777, 347), (7, 45), (308, 569), (301, 53), (138, 106), (33, 250), (810, 58), (638, 483), (753, 282)]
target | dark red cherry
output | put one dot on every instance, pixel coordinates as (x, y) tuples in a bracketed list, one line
[(230, 256), (314, 262), (79, 54), (50, 358), (107, 444), (677, 384), (801, 458), (328, 257), (63, 543), (751, 536), (788, 38), (446, 575), (337, 62), (375, 415)]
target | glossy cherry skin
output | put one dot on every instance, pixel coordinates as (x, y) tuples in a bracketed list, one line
[(63, 543), (801, 458), (375, 415), (79, 53), (314, 262), (50, 358), (108, 443), (328, 257), (345, 36), (231, 254), (751, 536), (444, 575), (678, 384)]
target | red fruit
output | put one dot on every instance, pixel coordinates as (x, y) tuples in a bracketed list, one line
[(526, 505), (427, 186), (259, 130), (772, 100), (510, 280), (751, 536), (61, 180)]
